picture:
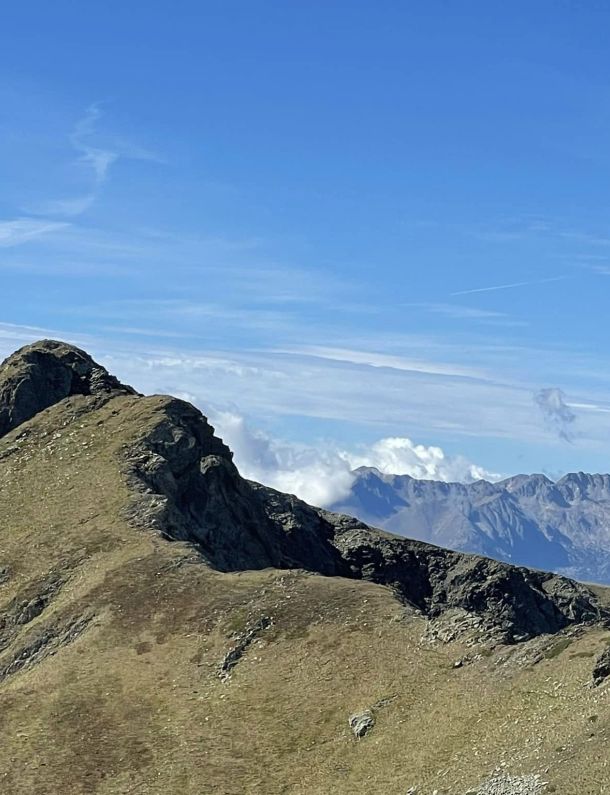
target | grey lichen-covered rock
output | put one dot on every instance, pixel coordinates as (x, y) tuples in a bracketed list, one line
[(361, 723), (601, 669), (40, 375)]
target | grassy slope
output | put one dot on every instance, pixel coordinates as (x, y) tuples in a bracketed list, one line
[(134, 704)]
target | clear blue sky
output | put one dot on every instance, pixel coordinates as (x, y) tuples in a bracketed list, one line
[(297, 211)]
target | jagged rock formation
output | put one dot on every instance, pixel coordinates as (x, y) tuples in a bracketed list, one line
[(189, 489), (42, 374), (527, 520)]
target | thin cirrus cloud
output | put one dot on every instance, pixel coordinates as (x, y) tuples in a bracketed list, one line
[(511, 286), (94, 160), (383, 360), (458, 312), (16, 231), (281, 392)]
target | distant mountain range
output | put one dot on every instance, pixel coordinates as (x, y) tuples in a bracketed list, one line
[(529, 520)]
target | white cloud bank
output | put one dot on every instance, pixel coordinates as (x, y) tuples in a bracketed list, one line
[(323, 474), (317, 475), (398, 455)]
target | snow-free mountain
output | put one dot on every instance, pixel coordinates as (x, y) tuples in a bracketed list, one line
[(529, 520), (167, 626)]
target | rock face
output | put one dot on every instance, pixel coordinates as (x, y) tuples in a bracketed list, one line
[(189, 489), (42, 374), (528, 520), (186, 487), (601, 669)]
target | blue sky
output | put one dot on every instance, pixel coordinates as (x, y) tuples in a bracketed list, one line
[(327, 223)]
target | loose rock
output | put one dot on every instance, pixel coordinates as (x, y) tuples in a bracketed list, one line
[(361, 723)]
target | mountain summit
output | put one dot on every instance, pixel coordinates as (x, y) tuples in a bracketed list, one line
[(166, 625), (42, 374)]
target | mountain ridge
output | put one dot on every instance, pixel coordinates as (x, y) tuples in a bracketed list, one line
[(166, 625), (528, 520), (189, 488)]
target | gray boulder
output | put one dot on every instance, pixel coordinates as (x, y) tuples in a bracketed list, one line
[(361, 723)]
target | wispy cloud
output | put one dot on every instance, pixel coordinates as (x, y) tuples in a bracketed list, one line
[(96, 158), (458, 312), (20, 230), (590, 407), (600, 270), (318, 395), (95, 161), (510, 286), (376, 359)]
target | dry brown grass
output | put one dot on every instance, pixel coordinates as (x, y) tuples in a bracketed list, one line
[(135, 704)]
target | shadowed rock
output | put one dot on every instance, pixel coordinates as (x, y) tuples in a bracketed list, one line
[(601, 669)]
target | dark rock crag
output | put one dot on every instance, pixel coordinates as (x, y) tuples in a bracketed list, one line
[(186, 487), (40, 375), (601, 667)]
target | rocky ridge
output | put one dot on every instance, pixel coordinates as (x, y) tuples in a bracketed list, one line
[(187, 487), (164, 626), (527, 520)]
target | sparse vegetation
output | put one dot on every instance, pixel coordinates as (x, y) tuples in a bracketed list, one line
[(557, 648), (134, 703)]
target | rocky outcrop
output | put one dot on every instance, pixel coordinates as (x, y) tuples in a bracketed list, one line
[(188, 488), (601, 668), (40, 375), (515, 603)]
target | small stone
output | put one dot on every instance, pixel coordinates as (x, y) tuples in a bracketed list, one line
[(361, 723)]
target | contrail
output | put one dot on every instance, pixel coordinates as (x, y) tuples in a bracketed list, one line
[(509, 286)]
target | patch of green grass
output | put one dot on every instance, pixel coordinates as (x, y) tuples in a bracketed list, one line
[(238, 622)]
